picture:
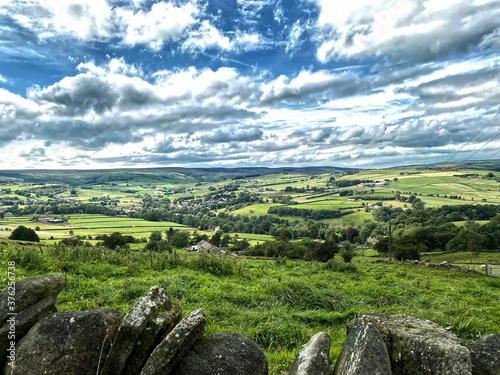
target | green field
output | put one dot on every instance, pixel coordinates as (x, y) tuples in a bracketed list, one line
[(279, 305)]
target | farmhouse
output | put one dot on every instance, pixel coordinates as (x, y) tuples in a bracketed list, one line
[(207, 247), (50, 220)]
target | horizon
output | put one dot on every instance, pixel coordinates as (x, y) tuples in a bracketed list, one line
[(107, 84), (429, 166)]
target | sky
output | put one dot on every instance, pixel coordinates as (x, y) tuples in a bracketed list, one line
[(239, 83)]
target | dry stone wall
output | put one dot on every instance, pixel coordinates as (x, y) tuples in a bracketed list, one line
[(152, 339)]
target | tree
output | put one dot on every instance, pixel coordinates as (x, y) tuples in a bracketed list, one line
[(160, 246), (170, 234), (465, 240), (226, 240), (114, 240), (347, 252), (408, 247), (155, 236), (351, 233), (22, 233), (325, 250), (382, 246), (180, 239), (241, 245), (216, 238)]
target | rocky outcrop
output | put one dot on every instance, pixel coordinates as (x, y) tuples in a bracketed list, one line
[(175, 346), (313, 358), (485, 355), (224, 354), (144, 312), (72, 343)]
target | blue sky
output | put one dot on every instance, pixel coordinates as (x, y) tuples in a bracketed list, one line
[(137, 83)]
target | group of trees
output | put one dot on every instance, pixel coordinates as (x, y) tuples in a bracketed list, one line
[(306, 249), (306, 213), (415, 231)]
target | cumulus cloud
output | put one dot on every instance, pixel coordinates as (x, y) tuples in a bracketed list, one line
[(308, 82), (404, 29), (132, 23), (82, 19), (162, 23), (233, 134), (114, 112)]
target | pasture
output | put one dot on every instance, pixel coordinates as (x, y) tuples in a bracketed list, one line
[(279, 305)]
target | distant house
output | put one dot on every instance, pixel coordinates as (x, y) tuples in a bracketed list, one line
[(50, 220), (208, 248), (9, 214)]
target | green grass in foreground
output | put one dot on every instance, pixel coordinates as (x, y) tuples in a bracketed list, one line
[(278, 304)]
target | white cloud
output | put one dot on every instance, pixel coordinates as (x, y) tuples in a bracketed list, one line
[(115, 113), (404, 28), (304, 83), (294, 37), (491, 40), (82, 19), (162, 23), (99, 20), (208, 36)]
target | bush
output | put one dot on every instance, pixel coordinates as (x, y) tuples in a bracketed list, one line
[(325, 251), (347, 254), (218, 265), (340, 267), (22, 233)]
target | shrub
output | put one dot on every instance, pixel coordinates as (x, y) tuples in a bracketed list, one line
[(218, 265), (22, 233), (347, 254), (340, 267)]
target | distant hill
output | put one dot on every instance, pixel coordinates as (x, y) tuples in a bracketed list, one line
[(151, 175), (480, 164)]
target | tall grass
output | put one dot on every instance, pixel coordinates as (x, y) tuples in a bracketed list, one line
[(279, 304)]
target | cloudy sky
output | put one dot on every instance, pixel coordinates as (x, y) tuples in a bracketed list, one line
[(362, 83)]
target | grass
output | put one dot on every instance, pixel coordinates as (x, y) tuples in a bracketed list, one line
[(277, 304), (464, 258)]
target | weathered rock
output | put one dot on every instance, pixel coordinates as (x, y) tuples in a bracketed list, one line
[(485, 355), (224, 354), (23, 322), (29, 291), (154, 302), (70, 343), (363, 353), (419, 346), (313, 358), (375, 319), (175, 346), (155, 332)]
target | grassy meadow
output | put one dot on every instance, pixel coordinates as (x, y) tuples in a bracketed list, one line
[(278, 304)]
